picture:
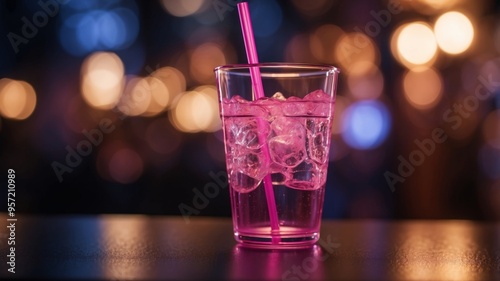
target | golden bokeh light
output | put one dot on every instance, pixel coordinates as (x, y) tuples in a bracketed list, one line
[(491, 129), (429, 7), (414, 44), (212, 110), (102, 80), (323, 40), (182, 8), (365, 84), (173, 80), (454, 32), (17, 99), (196, 111), (423, 88), (159, 97), (356, 47), (181, 115), (136, 97), (203, 60)]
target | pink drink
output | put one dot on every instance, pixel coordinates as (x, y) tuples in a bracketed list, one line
[(297, 137)]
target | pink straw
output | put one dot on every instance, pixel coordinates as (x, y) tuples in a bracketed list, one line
[(246, 28)]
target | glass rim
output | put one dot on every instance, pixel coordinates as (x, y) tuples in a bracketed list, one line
[(290, 69)]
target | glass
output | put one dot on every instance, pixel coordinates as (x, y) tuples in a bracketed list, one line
[(282, 139)]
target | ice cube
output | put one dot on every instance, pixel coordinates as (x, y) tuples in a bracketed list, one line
[(292, 106), (239, 99), (247, 132), (288, 126), (317, 103), (287, 150), (250, 163), (317, 148), (239, 106), (276, 168), (279, 96), (318, 133), (317, 95), (242, 183)]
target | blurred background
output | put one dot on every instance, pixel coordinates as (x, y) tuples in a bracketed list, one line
[(111, 107)]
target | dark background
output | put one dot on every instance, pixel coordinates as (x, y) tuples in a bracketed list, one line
[(130, 172)]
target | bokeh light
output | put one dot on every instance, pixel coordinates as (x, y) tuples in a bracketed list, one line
[(153, 61), (414, 44), (423, 87), (454, 32), (356, 47), (182, 8), (212, 112), (159, 96), (17, 99), (323, 41), (366, 124), (102, 80), (203, 60), (363, 83), (100, 28), (429, 7), (196, 111), (136, 97), (173, 80)]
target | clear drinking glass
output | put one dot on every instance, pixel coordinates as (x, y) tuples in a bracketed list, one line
[(277, 150)]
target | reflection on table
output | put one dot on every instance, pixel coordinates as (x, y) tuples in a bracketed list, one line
[(167, 248)]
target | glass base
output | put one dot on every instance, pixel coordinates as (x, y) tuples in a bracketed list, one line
[(276, 242)]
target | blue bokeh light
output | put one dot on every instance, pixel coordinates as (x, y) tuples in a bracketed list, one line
[(366, 124), (98, 28)]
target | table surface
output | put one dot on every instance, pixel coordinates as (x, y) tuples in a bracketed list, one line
[(125, 247)]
